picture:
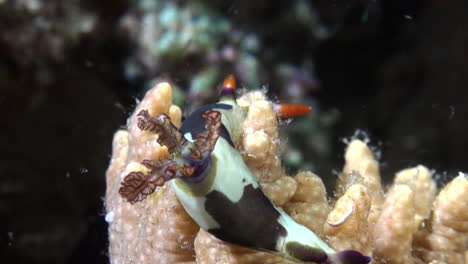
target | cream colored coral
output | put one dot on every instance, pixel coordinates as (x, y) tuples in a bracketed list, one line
[(448, 241), (401, 228), (393, 232), (346, 225), (260, 139), (309, 205), (281, 190), (118, 161), (362, 167), (408, 226), (210, 250), (136, 231), (419, 179)]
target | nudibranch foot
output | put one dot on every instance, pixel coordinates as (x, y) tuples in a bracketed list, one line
[(348, 257), (186, 159)]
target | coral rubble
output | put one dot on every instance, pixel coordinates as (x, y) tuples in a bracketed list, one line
[(410, 223)]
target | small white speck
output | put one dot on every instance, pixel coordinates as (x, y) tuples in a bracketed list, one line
[(452, 112), (109, 217), (10, 238), (249, 130), (408, 17), (83, 170), (462, 175), (345, 141), (67, 175), (189, 137), (89, 63)]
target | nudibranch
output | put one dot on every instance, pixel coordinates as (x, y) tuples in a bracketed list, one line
[(218, 190)]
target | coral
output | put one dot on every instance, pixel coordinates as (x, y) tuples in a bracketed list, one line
[(173, 30), (362, 167), (408, 224), (446, 239), (135, 231), (41, 32), (193, 42), (309, 205), (393, 233), (177, 32), (212, 250), (348, 218)]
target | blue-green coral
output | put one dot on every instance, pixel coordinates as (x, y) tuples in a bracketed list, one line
[(169, 29), (168, 33)]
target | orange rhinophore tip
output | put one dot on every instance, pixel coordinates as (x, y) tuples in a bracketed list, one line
[(291, 110), (229, 86), (230, 82)]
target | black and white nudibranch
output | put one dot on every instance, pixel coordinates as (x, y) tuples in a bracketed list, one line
[(216, 187)]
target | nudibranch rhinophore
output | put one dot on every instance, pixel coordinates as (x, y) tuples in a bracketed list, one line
[(216, 187)]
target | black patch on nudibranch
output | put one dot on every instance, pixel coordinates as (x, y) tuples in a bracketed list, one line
[(305, 253), (195, 123), (250, 222)]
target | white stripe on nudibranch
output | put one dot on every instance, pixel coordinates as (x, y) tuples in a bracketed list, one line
[(233, 174), (188, 136), (195, 207), (300, 234)]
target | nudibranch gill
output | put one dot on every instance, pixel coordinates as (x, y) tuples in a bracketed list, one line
[(218, 190)]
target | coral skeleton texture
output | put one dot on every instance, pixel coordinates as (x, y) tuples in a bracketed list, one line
[(410, 223)]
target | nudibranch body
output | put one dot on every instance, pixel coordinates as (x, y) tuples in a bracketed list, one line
[(218, 190)]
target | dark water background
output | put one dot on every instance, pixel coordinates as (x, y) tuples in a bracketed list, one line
[(395, 69)]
